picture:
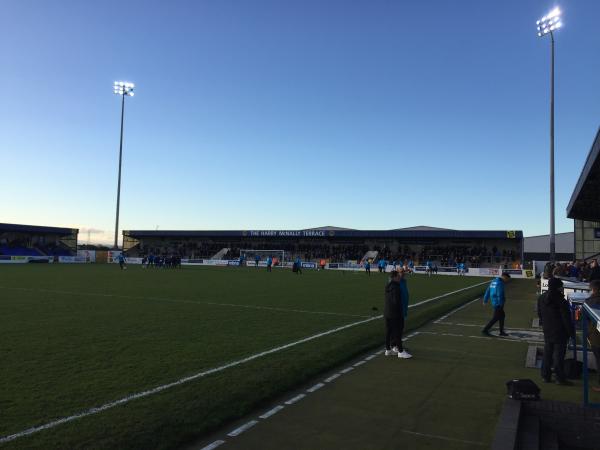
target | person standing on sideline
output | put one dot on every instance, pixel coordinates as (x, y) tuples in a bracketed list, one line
[(555, 318), (395, 311), (495, 293), (594, 334), (121, 259), (368, 267), (269, 263)]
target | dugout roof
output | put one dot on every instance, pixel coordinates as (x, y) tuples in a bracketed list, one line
[(15, 228), (330, 233), (585, 200)]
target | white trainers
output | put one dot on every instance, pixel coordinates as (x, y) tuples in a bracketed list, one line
[(404, 355), (395, 349), (389, 352)]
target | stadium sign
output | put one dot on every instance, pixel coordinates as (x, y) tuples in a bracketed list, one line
[(288, 233)]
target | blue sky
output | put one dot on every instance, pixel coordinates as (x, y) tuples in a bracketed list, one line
[(292, 114)]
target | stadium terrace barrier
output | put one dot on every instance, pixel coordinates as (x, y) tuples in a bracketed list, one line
[(8, 259), (73, 259)]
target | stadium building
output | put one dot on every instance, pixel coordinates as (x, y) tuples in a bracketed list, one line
[(36, 241), (584, 206), (335, 244)]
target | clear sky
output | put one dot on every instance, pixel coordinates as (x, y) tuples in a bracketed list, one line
[(283, 114)]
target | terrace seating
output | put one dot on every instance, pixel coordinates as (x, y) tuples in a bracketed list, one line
[(19, 251)]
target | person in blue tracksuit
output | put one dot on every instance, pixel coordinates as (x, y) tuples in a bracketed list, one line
[(298, 264), (256, 260), (381, 265), (495, 294), (368, 267), (269, 263), (429, 267), (121, 259)]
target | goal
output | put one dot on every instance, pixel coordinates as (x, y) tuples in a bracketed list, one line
[(251, 255)]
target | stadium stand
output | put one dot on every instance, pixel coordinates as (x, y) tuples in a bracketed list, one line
[(444, 246), (33, 240)]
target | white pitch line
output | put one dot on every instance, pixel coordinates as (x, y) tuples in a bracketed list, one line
[(360, 363), (213, 445), (272, 412), (190, 302), (316, 387), (332, 377), (295, 399), (446, 295), (241, 429), (444, 317), (443, 438), (370, 357), (156, 390)]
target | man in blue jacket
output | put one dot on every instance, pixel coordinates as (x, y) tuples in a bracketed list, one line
[(495, 293)]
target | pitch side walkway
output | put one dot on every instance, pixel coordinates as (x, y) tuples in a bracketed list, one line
[(448, 396)]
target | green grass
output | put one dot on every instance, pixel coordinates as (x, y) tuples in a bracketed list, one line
[(75, 337)]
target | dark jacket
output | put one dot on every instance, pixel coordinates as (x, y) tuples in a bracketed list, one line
[(555, 317), (594, 274), (593, 333), (393, 301)]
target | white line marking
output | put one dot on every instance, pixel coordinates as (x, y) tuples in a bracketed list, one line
[(444, 438), (213, 445), (446, 295), (495, 338), (370, 357), (315, 387), (457, 309), (295, 399), (360, 363), (124, 400), (240, 430), (332, 377), (192, 302), (121, 401), (272, 412)]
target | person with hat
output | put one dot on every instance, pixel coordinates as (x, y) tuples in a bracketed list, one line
[(555, 318)]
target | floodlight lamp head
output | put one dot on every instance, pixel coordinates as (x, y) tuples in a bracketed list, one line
[(123, 88), (549, 23)]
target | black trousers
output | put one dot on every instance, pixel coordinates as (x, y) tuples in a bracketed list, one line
[(393, 333), (554, 356), (499, 316)]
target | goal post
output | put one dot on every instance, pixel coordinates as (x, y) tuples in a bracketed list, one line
[(250, 255)]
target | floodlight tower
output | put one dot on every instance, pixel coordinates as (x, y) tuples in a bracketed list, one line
[(124, 89), (547, 25)]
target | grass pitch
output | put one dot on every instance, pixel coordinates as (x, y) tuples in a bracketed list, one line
[(78, 337)]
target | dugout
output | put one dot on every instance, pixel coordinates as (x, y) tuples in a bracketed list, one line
[(336, 244), (34, 240), (584, 206)]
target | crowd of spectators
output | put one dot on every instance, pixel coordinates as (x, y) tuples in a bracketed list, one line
[(445, 256), (577, 270)]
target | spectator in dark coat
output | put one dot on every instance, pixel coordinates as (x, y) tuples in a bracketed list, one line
[(394, 313), (594, 334), (594, 271), (555, 317)]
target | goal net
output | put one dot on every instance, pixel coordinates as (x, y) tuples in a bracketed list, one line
[(261, 256)]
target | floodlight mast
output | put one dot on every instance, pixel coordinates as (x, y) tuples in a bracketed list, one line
[(124, 89), (547, 25)]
